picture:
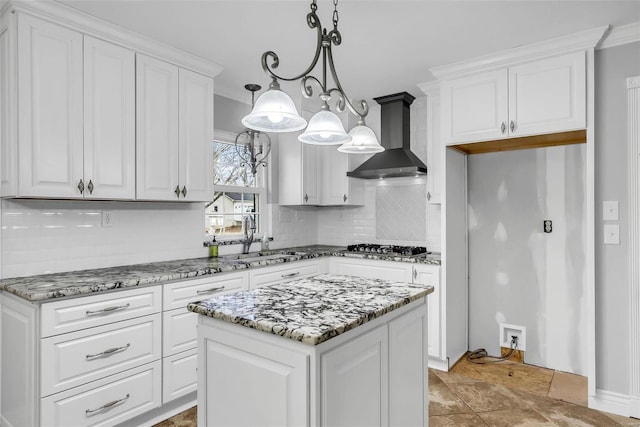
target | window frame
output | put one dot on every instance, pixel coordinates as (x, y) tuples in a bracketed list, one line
[(223, 136)]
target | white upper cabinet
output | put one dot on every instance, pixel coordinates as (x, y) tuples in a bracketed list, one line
[(538, 97), (174, 132), (109, 120), (156, 130), (50, 117), (196, 136), (298, 171)]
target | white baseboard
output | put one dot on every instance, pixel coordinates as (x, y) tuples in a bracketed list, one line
[(634, 406), (612, 402), (439, 364)]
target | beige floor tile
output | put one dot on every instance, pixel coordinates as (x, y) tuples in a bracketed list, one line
[(485, 397), (569, 387), (515, 418), (443, 401), (187, 418), (458, 420), (566, 414), (624, 421)]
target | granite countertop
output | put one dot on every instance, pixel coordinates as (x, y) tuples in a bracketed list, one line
[(312, 310), (59, 285)]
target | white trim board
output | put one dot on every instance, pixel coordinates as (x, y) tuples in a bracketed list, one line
[(609, 401), (633, 123), (618, 36)]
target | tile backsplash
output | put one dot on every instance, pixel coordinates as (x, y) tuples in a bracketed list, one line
[(46, 236)]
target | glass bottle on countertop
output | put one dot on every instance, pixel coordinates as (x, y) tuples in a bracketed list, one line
[(213, 248)]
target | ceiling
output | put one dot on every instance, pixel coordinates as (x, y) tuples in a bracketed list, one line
[(387, 46)]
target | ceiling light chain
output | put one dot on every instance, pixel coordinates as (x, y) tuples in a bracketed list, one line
[(274, 111)]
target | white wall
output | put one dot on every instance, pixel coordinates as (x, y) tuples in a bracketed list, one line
[(518, 274), (613, 66), (48, 236)]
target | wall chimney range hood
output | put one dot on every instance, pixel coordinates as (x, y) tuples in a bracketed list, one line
[(397, 160)]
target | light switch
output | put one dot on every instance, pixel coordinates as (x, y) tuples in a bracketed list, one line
[(611, 234), (610, 211)]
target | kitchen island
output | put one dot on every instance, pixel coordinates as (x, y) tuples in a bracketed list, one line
[(329, 350)]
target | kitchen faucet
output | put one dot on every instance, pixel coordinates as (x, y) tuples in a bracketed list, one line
[(249, 227)]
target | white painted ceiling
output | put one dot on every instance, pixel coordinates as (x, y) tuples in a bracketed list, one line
[(388, 45)]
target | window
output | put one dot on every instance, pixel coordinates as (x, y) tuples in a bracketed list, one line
[(238, 193)]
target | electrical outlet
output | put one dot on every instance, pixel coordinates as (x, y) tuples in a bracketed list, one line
[(107, 218), (508, 331), (611, 234), (610, 211), (547, 226)]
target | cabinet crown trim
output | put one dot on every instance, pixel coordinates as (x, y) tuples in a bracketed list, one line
[(565, 44), (620, 35), (89, 25)]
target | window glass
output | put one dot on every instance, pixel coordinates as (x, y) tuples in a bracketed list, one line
[(236, 204)]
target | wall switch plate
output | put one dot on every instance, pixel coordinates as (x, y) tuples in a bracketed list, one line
[(610, 211), (107, 218), (611, 234)]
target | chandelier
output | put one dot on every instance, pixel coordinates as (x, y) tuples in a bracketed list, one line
[(275, 111), (253, 146)]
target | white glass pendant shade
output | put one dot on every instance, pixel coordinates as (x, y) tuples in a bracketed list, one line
[(274, 111), (363, 141), (325, 128)]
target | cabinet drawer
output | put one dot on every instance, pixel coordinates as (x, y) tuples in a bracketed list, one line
[(84, 312), (179, 375), (136, 391), (373, 269), (76, 358), (180, 331), (179, 294), (278, 274)]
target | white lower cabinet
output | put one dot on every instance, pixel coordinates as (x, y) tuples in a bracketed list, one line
[(373, 375), (179, 374), (106, 402)]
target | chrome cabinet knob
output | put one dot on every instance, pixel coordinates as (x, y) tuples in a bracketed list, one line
[(503, 127), (306, 198), (512, 126), (344, 198), (184, 191), (177, 191), (90, 187), (81, 187)]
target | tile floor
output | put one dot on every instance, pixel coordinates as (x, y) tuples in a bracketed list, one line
[(505, 394)]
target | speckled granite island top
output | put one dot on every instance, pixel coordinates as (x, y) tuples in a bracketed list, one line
[(74, 283), (314, 309)]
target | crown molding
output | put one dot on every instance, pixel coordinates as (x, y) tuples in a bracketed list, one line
[(573, 42), (431, 88), (623, 34), (67, 16)]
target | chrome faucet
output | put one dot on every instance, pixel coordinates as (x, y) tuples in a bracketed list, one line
[(248, 227)]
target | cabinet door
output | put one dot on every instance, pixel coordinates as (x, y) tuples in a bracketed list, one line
[(430, 275), (548, 95), (354, 382), (156, 129), (50, 109), (310, 182), (8, 143), (109, 127), (475, 108), (335, 183), (435, 149), (196, 137)]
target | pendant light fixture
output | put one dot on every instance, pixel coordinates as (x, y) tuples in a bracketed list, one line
[(274, 111), (252, 145)]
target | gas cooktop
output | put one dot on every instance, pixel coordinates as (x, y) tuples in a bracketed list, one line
[(387, 249)]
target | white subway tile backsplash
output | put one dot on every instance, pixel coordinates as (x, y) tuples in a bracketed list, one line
[(46, 236)]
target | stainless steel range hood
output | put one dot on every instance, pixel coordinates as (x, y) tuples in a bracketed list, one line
[(397, 160)]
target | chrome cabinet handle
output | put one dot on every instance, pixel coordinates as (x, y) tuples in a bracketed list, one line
[(184, 191), (81, 187), (177, 191), (107, 405), (108, 352), (210, 290), (512, 126), (286, 276), (306, 197), (428, 196), (415, 274), (107, 310), (503, 128), (90, 187), (344, 198)]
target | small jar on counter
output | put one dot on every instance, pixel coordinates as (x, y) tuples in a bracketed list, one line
[(213, 248)]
